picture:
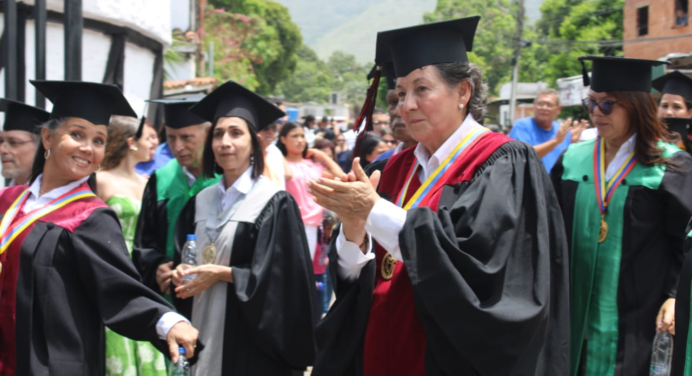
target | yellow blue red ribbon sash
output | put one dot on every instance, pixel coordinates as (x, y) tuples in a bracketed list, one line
[(605, 190), (9, 233), (435, 178)]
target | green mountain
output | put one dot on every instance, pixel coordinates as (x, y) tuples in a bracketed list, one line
[(352, 26)]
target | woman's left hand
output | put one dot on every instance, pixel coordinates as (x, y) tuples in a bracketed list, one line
[(666, 317), (206, 276), (351, 195)]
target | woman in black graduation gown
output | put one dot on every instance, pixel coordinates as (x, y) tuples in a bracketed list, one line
[(626, 201), (252, 293), (66, 269), (465, 277)]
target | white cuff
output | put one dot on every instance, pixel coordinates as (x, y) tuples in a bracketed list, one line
[(385, 222), (351, 259), (167, 321)]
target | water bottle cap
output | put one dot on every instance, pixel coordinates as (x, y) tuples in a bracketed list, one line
[(192, 237), (181, 350)]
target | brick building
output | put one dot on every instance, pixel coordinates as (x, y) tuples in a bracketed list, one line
[(655, 29)]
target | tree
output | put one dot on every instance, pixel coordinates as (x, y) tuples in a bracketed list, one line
[(312, 80), (278, 41)]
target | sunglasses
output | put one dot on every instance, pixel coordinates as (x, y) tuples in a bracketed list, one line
[(606, 107)]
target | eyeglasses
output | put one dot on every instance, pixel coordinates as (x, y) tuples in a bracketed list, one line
[(12, 144), (391, 142), (606, 107), (548, 105), (379, 122)]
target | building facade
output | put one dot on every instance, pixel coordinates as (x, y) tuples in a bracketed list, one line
[(655, 29)]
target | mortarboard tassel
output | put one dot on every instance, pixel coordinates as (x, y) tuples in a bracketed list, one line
[(585, 74), (363, 122)]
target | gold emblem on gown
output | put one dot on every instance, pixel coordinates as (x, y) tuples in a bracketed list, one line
[(209, 254), (388, 264), (603, 232)]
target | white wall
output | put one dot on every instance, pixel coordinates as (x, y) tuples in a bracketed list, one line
[(139, 75), (150, 17), (180, 14)]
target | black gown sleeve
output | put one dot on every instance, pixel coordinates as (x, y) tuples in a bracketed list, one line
[(489, 272), (682, 309), (149, 248), (126, 306), (676, 185), (275, 290)]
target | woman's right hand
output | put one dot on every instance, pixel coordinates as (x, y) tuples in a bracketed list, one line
[(163, 277)]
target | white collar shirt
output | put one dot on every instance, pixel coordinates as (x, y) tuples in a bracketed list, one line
[(240, 187), (35, 200), (430, 164), (621, 157), (191, 179)]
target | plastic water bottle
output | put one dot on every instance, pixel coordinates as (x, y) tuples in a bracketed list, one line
[(189, 256), (182, 367), (661, 354)]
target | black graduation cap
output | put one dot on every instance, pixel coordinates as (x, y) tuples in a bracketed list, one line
[(414, 47), (232, 99), (618, 73), (177, 112), (22, 117), (679, 125), (86, 100), (674, 83)]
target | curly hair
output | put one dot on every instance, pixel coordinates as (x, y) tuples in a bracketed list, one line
[(120, 129), (454, 73)]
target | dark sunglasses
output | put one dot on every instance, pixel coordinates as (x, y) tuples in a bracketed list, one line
[(606, 107)]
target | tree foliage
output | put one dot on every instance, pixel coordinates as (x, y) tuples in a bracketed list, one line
[(577, 20), (275, 43)]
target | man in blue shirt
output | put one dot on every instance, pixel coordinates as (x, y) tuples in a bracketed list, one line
[(541, 131)]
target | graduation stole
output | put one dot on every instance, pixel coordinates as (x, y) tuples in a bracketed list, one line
[(9, 233), (425, 192), (438, 177), (604, 191)]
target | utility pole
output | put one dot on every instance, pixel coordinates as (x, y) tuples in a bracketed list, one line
[(200, 36), (515, 60)]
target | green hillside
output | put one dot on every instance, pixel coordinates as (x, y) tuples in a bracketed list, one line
[(351, 26)]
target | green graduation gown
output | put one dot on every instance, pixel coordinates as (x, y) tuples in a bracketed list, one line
[(164, 197), (618, 286)]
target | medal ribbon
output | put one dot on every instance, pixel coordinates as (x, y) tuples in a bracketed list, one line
[(435, 179), (9, 233), (605, 191)]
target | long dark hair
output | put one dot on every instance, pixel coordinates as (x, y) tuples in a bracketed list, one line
[(40, 159), (209, 166), (642, 116), (288, 127), (370, 142)]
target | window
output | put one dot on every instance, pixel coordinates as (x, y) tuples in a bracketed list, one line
[(681, 13), (643, 21)]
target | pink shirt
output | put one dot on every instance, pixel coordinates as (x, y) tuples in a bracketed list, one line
[(303, 172)]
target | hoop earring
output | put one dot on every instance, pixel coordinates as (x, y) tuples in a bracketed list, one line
[(46, 154)]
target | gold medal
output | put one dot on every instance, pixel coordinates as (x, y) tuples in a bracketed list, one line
[(209, 254), (603, 232), (388, 264)]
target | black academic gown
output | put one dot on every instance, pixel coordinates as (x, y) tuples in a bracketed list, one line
[(75, 275), (682, 349), (497, 245), (270, 313)]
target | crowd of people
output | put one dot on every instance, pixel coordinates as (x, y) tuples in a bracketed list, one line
[(425, 245)]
